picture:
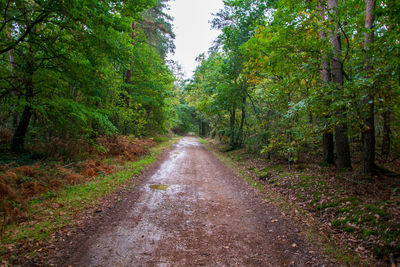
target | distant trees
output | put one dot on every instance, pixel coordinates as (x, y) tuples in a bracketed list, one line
[(302, 70)]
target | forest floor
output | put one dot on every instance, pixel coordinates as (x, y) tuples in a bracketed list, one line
[(354, 219), (188, 209)]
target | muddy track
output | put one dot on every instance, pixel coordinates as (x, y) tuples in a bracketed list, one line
[(204, 216)]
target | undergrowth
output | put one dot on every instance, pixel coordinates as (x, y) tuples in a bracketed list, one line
[(39, 208), (360, 215), (22, 181)]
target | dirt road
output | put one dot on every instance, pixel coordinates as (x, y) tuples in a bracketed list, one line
[(192, 210)]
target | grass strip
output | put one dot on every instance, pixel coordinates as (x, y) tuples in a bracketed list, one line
[(59, 210)]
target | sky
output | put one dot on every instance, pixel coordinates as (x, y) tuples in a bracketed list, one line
[(193, 30)]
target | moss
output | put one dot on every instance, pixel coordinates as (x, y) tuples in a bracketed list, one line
[(324, 164), (392, 235), (375, 210), (384, 250), (353, 219), (344, 209), (368, 232), (275, 180), (254, 183), (3, 251), (349, 229), (327, 205), (338, 222), (367, 218), (263, 174), (355, 201), (304, 181), (316, 198), (274, 167)]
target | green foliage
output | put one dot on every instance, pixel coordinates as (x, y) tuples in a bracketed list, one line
[(67, 61), (267, 66), (158, 28)]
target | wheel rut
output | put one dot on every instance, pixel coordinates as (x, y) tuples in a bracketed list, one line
[(194, 211)]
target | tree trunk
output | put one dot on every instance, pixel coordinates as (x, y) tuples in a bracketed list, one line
[(386, 133), (327, 138), (128, 75), (12, 67), (342, 147), (328, 148), (368, 135), (200, 125), (203, 128), (341, 138), (232, 126), (239, 141), (17, 144)]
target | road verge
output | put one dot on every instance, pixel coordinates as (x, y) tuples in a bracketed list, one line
[(303, 219), (49, 216)]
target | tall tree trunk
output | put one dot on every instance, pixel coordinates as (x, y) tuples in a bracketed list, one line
[(386, 133), (17, 143), (341, 138), (232, 126), (200, 126), (368, 135), (203, 128), (12, 67), (239, 141), (328, 147), (327, 138), (128, 75)]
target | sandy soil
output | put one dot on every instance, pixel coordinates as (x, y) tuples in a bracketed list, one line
[(206, 216)]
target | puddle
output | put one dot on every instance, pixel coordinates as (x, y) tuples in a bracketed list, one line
[(159, 187)]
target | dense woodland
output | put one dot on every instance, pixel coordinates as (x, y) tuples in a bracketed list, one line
[(85, 87), (81, 69), (287, 77), (283, 77)]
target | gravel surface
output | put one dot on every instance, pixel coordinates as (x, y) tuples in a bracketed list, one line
[(190, 210)]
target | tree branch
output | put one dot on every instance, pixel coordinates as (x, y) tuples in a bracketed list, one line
[(41, 18), (347, 42), (5, 15)]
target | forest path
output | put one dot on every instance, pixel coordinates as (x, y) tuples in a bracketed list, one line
[(207, 216)]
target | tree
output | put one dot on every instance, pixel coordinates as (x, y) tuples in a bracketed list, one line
[(237, 20), (24, 16), (368, 135), (341, 137), (157, 26), (283, 73), (327, 139), (67, 72)]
